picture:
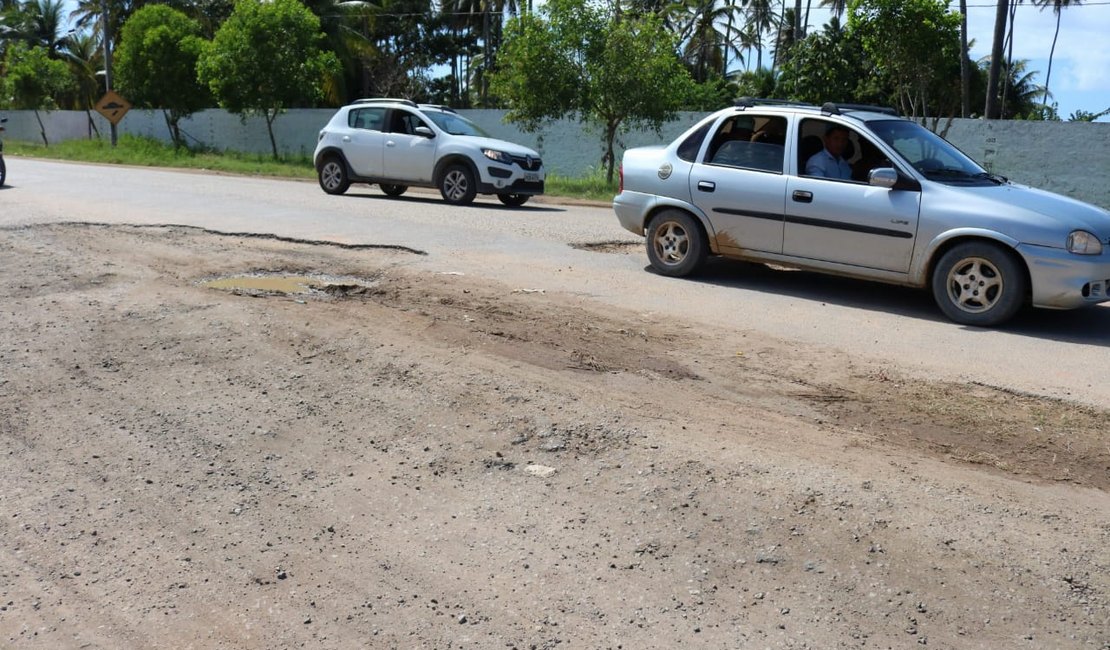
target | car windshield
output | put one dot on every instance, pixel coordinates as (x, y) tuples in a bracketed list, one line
[(930, 154), (455, 124)]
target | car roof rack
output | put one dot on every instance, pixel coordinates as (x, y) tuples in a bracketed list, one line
[(745, 102), (441, 107), (836, 108), (385, 100)]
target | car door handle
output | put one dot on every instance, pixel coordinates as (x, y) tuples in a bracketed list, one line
[(346, 138), (802, 196), (706, 186), (390, 143)]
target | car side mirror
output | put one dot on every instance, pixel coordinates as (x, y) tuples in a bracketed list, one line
[(424, 131), (883, 177)]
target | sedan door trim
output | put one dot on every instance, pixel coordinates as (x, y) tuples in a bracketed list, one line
[(748, 213), (850, 227)]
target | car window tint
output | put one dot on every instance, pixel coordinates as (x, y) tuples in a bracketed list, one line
[(690, 147), (366, 118), (761, 156), (404, 122)]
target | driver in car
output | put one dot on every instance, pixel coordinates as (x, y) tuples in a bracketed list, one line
[(829, 162)]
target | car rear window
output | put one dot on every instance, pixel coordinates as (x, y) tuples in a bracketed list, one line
[(690, 147)]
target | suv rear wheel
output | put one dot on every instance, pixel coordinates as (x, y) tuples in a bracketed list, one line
[(333, 175), (393, 190), (457, 185)]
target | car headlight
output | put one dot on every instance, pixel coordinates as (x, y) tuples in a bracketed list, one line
[(1082, 242), (498, 156)]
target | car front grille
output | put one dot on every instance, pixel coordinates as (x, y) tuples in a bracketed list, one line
[(528, 163)]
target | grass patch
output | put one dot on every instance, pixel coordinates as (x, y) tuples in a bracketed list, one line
[(148, 152)]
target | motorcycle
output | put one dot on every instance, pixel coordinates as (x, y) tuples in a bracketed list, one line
[(3, 169)]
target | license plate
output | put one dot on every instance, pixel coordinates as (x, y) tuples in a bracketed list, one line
[(532, 178)]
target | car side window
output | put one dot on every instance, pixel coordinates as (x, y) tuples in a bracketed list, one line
[(851, 158), (753, 142), (366, 118), (690, 147), (404, 122)]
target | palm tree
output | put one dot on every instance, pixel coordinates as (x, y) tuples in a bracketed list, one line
[(837, 7), (991, 110), (1058, 7), (39, 22), (965, 64), (762, 20), (83, 53)]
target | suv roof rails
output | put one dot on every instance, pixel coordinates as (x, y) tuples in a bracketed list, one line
[(385, 100), (744, 102), (835, 108), (446, 109)]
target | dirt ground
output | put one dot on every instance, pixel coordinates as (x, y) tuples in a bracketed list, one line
[(399, 459)]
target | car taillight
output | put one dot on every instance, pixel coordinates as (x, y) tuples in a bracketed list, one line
[(620, 188)]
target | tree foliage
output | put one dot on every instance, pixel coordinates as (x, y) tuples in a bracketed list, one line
[(33, 80), (265, 58), (581, 60), (914, 47), (156, 64)]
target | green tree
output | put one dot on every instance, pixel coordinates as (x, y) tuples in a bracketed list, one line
[(825, 66), (914, 47), (33, 80), (582, 60), (156, 64), (265, 58)]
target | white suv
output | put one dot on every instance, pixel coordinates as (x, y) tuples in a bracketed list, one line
[(397, 143)]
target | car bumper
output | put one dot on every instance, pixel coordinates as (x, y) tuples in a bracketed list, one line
[(631, 208), (1062, 280), (503, 179)]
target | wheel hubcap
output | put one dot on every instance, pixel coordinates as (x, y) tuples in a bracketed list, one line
[(332, 175), (975, 285), (671, 243), (455, 185)]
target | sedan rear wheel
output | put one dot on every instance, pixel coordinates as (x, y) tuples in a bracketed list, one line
[(333, 176), (979, 283), (676, 244)]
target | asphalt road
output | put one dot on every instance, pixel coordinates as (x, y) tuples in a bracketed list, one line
[(1060, 354)]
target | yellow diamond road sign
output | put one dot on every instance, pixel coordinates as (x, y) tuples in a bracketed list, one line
[(113, 107)]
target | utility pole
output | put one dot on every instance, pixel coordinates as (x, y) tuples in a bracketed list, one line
[(107, 33)]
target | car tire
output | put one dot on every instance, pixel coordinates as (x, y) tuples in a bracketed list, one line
[(513, 200), (676, 243), (333, 175), (979, 283), (457, 186), (3, 172), (393, 190)]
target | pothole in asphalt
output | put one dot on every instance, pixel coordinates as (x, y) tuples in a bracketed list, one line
[(622, 247), (267, 284)]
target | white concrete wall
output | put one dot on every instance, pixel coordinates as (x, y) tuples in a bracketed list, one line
[(1071, 158)]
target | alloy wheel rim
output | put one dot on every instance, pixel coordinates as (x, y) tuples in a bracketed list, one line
[(331, 176), (455, 184), (975, 285), (671, 243)]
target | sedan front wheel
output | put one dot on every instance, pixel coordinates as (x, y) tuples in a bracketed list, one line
[(979, 283)]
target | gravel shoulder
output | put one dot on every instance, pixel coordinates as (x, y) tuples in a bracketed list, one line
[(402, 459)]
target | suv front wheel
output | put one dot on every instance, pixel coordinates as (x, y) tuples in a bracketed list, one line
[(333, 176), (457, 185)]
